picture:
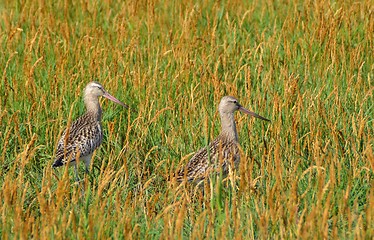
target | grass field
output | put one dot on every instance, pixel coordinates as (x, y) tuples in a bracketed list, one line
[(306, 65)]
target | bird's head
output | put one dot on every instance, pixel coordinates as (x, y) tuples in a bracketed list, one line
[(95, 90), (229, 105)]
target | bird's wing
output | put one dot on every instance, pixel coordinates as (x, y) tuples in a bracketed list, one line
[(199, 164), (81, 138), (204, 161)]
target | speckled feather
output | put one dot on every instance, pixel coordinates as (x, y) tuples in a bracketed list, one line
[(201, 165), (223, 151), (85, 135)]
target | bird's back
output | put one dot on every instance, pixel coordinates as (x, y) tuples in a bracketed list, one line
[(83, 137), (218, 156)]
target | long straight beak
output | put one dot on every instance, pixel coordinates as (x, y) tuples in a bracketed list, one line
[(113, 99), (246, 111)]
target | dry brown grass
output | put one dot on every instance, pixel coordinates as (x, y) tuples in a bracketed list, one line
[(308, 66)]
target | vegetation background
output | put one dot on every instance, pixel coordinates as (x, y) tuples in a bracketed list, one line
[(306, 65)]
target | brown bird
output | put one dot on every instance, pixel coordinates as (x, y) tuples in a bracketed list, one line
[(223, 151), (85, 134)]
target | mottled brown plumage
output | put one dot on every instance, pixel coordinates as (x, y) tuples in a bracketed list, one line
[(85, 134), (83, 137), (223, 151)]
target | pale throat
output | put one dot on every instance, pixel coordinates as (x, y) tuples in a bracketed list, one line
[(229, 126), (93, 105)]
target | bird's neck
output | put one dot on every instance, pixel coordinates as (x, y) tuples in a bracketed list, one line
[(93, 106), (229, 126)]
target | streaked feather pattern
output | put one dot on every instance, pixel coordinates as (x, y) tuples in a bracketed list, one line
[(85, 135), (223, 152)]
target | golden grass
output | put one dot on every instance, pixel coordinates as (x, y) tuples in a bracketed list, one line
[(308, 66)]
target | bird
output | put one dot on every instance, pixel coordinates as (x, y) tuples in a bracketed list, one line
[(223, 151), (85, 134)]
